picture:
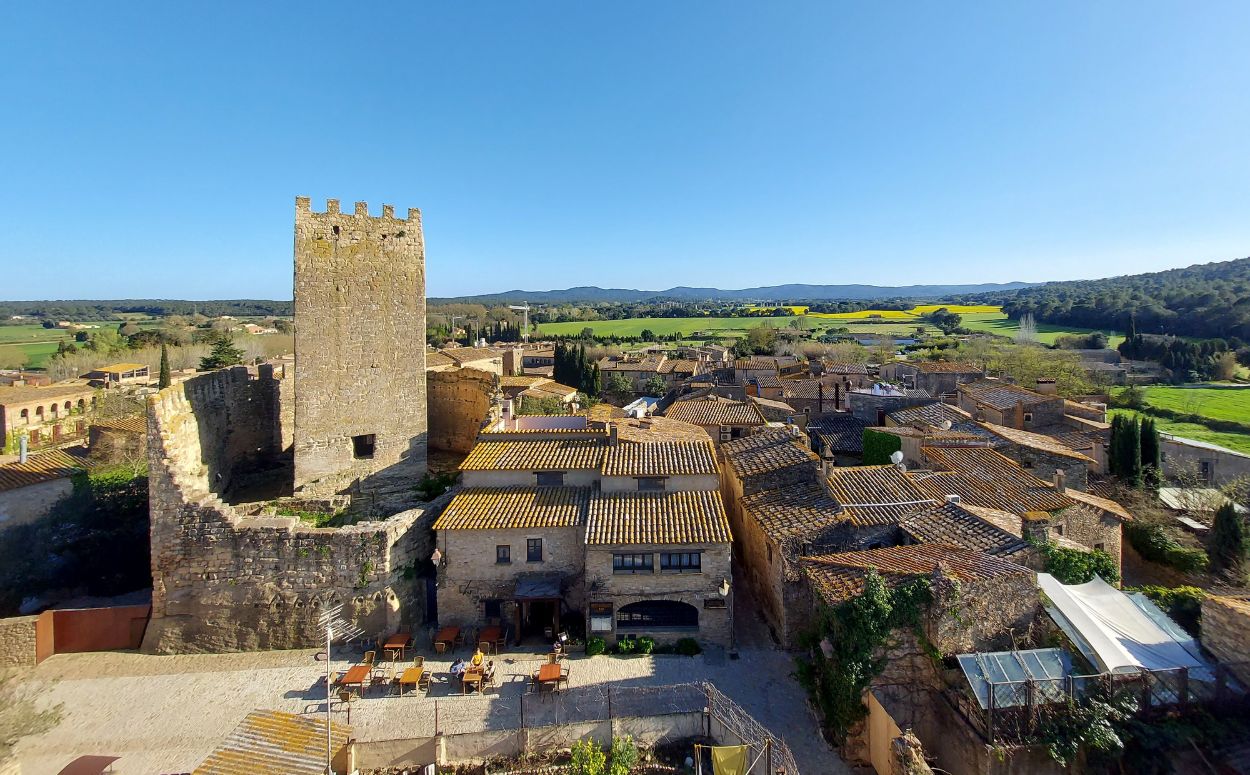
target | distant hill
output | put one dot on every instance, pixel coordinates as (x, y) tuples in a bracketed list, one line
[(1203, 300), (789, 293)]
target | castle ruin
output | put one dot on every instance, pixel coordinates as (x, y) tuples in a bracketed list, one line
[(237, 455)]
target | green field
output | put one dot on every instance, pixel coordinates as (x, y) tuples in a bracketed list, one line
[(998, 323), (37, 342), (1219, 402), (1238, 442)]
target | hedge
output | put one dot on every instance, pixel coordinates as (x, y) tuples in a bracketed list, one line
[(1154, 544)]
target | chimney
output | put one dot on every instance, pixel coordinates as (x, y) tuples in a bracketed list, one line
[(1061, 480), (826, 462), (1035, 527), (953, 499), (1019, 415), (22, 454), (1047, 387), (820, 398), (613, 437)]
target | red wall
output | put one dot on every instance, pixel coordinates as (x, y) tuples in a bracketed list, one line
[(90, 629)]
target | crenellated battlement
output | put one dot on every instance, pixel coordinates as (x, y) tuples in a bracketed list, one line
[(303, 208)]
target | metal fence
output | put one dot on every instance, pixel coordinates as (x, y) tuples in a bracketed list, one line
[(582, 707), (1015, 708)]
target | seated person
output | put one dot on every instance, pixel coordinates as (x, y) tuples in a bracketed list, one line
[(457, 667), (478, 656)]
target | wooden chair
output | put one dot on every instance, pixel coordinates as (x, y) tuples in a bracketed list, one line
[(418, 661), (552, 658), (423, 683), (440, 647), (369, 658), (488, 678), (486, 646), (347, 697), (383, 678)]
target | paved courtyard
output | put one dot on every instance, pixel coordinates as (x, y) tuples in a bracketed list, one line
[(163, 714)]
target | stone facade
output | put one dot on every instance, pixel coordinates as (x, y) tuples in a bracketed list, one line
[(226, 581), (46, 416), (1226, 631), (17, 641), (460, 401), (360, 410), (1043, 465), (1090, 527)]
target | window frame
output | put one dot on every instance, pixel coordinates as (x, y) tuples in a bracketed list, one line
[(529, 549), (538, 478), (684, 564), (640, 562), (662, 481), (503, 557)]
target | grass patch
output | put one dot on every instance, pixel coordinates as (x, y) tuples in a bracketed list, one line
[(998, 323), (1238, 442), (1219, 402)]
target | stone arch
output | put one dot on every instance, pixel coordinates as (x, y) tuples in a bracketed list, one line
[(69, 407), (25, 415), (82, 404), (39, 412)]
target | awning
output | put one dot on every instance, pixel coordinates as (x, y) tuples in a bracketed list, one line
[(537, 588), (1110, 630), (1011, 667)]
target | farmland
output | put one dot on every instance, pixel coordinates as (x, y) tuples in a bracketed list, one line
[(1238, 442), (1219, 402), (35, 341)]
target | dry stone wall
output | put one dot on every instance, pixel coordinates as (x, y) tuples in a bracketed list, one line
[(17, 641), (360, 403), (1226, 631), (223, 581)]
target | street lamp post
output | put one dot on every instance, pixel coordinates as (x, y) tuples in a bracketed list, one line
[(724, 590)]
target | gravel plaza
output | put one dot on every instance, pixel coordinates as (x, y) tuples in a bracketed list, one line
[(164, 714)]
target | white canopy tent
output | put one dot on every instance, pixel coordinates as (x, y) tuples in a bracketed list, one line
[(1112, 631)]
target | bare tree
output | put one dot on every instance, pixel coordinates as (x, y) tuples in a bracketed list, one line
[(1027, 332)]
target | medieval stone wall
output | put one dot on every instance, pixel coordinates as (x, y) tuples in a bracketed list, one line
[(460, 400), (360, 403), (223, 581), (1226, 630), (17, 641)]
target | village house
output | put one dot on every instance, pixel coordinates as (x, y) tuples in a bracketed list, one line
[(939, 379), (746, 369), (1002, 403), (480, 358), (620, 522), (723, 419), (46, 416), (30, 488), (1201, 460), (778, 509), (873, 403), (840, 435), (119, 374)]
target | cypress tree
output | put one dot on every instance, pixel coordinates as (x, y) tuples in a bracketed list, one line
[(165, 378), (596, 381), (1132, 451), (1113, 453), (1151, 453), (1228, 541)]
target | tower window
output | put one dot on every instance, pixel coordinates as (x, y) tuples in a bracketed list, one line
[(362, 446), (336, 231)]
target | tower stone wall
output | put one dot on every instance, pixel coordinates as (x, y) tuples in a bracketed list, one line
[(360, 395)]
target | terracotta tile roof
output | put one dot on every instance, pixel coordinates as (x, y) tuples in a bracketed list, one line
[(463, 355), (662, 458), (506, 508), (1035, 441), (766, 380), (840, 577), (838, 367), (876, 495), (983, 477), (434, 359), (650, 364), (1010, 523), (679, 366), (756, 364), (549, 389), (945, 367), (1003, 395), (1105, 504), (715, 412), (768, 451), (938, 437), (39, 468), (934, 414), (637, 518), (774, 410), (131, 423), (841, 432), (953, 524), (28, 393), (655, 429), (810, 389), (535, 455), (522, 381), (802, 510), (603, 412), (270, 742)]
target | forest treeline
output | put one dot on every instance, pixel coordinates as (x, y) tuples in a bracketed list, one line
[(94, 309)]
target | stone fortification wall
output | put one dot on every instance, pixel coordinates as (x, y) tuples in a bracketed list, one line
[(460, 400), (360, 399), (1226, 630), (17, 641), (223, 581)]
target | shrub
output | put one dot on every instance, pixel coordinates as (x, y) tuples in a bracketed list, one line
[(624, 756), (595, 646), (626, 646), (587, 759), (688, 647), (1183, 604), (1228, 541), (1072, 566), (1154, 544), (646, 644)]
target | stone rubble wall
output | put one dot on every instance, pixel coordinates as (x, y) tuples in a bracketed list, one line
[(1226, 631), (224, 581), (17, 641), (460, 400)]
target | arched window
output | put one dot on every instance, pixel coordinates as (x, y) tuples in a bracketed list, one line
[(654, 614), (82, 404), (39, 412), (25, 415), (54, 409), (68, 406)]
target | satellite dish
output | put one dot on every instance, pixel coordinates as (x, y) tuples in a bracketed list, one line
[(946, 425), (896, 457)]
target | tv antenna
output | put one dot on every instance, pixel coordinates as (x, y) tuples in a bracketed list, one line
[(337, 629), (523, 308)]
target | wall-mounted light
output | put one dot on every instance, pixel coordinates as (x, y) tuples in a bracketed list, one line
[(724, 588), (437, 557)]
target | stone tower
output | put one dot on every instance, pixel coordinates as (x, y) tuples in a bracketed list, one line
[(360, 400)]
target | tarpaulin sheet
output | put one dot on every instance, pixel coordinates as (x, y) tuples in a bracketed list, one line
[(1111, 630), (729, 759)]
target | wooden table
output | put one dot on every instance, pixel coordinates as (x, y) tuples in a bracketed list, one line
[(472, 675), (492, 635), (397, 642), (448, 635), (549, 674), (357, 674), (411, 677)]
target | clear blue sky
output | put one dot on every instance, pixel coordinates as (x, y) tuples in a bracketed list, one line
[(155, 149)]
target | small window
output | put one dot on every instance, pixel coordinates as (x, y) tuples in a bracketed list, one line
[(1028, 417), (651, 483), (1059, 530), (1100, 547), (503, 554), (770, 553), (533, 550), (362, 446), (1027, 464), (681, 562), (492, 609), (335, 230), (632, 563), (550, 478)]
